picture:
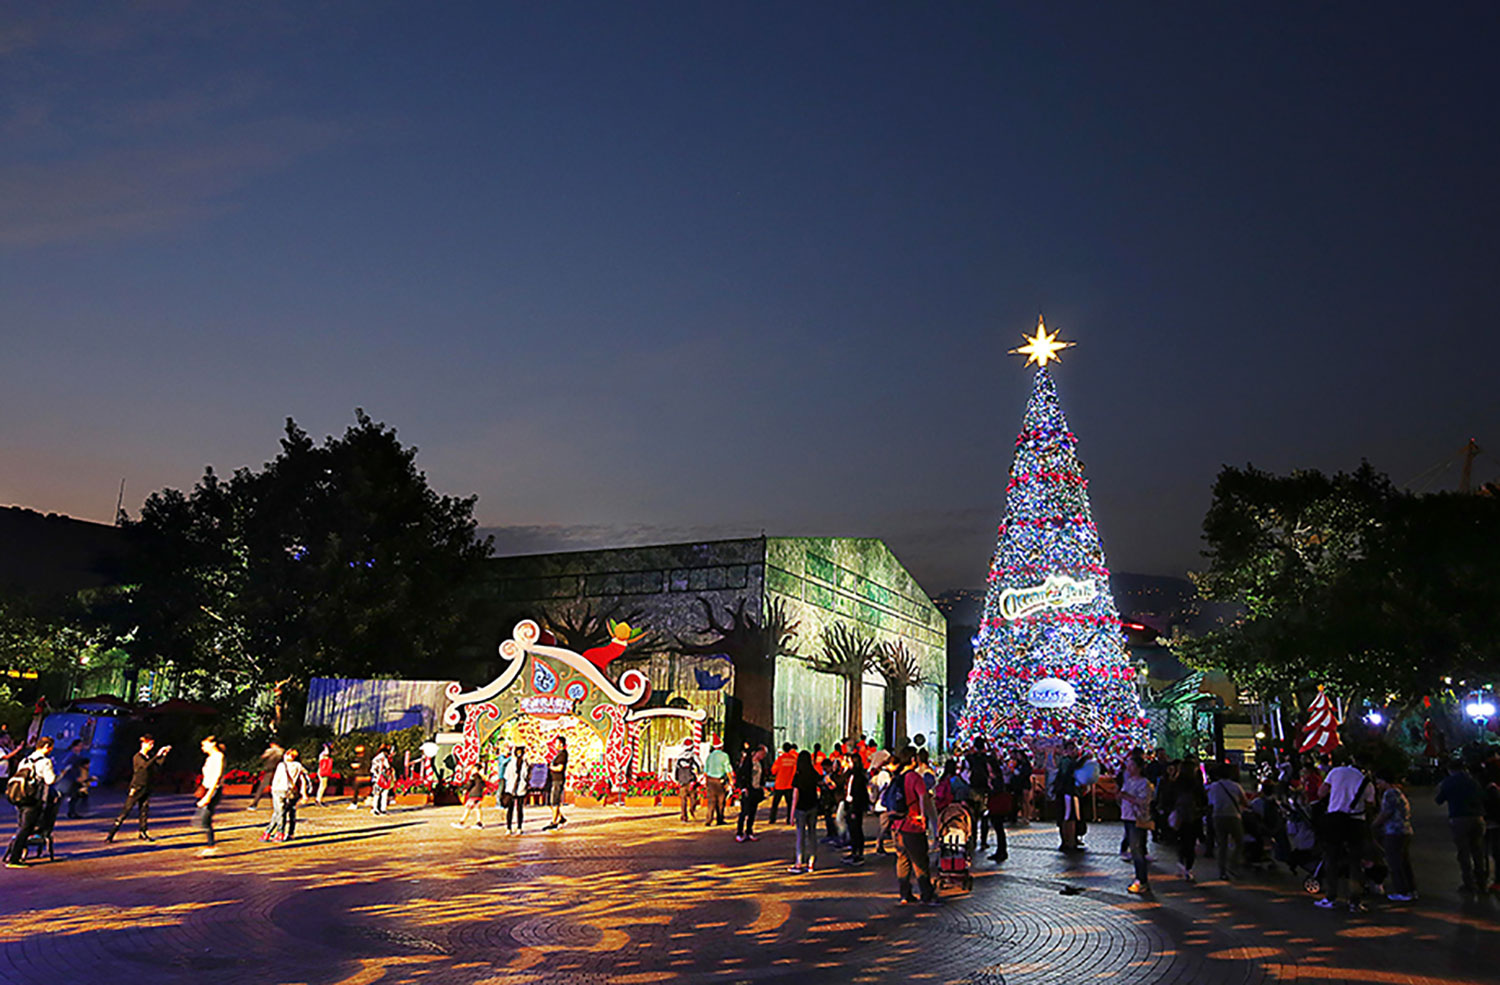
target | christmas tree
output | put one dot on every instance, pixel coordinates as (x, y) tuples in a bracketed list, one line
[(1050, 659), (1321, 732)]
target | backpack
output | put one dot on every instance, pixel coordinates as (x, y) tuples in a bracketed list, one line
[(894, 797), (24, 789)]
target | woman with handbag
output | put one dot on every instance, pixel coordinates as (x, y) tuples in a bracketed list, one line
[(513, 784), (1135, 809)]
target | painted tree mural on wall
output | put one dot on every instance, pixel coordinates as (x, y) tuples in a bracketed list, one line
[(847, 653), (898, 665), (752, 644)]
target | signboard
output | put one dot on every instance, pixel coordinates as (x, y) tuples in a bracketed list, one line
[(1057, 592), (1052, 692)]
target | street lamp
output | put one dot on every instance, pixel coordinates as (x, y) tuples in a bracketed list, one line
[(1481, 708)]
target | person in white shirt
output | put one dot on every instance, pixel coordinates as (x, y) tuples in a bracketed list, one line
[(1350, 792), (289, 785), (210, 790), (29, 815)]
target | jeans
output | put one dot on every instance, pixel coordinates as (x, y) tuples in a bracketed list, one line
[(28, 819), (1137, 838), (856, 821), (715, 805), (777, 796), (749, 804), (687, 800), (514, 811), (1187, 843), (1468, 838), (1002, 851), (203, 818), (278, 811), (807, 837), (1128, 826), (1342, 835), (911, 860), (1398, 860), (1229, 835), (288, 827)]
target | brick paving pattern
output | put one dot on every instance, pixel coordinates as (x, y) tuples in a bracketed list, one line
[(634, 896)]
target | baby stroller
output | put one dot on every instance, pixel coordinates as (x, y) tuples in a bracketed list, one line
[(1302, 846), (955, 846)]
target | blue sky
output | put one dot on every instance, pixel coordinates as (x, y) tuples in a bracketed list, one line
[(647, 271)]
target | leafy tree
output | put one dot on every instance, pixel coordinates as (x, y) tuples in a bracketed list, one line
[(333, 559), (1349, 583), (847, 653)]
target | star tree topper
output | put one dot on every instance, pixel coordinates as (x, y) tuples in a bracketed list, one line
[(1041, 347)]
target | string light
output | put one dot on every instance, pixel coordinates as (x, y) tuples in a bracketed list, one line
[(1049, 532)]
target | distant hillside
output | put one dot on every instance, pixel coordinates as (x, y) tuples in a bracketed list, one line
[(56, 555)]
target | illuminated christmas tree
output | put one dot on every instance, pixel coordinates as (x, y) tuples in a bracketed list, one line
[(1050, 658)]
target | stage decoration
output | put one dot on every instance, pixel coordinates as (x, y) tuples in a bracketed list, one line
[(1321, 731), (563, 694), (1050, 659)]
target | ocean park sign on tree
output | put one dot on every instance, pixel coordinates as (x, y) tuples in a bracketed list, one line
[(335, 559)]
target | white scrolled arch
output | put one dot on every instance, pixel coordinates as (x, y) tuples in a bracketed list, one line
[(524, 641)]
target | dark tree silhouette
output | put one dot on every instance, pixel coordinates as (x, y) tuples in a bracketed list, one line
[(899, 667), (846, 653)]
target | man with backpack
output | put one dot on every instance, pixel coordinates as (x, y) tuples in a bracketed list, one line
[(30, 790), (685, 774), (909, 803)]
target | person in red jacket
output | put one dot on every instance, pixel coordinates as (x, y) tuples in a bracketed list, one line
[(782, 770)]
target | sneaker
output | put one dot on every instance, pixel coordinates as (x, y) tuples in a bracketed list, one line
[(906, 901), (208, 853), (1355, 906), (739, 838), (1135, 889), (143, 836), (1399, 897), (455, 824), (15, 865), (796, 869), (752, 837), (1324, 904)]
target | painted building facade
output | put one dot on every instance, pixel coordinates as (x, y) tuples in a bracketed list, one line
[(732, 628)]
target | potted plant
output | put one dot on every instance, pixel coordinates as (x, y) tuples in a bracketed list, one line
[(236, 783), (412, 791)]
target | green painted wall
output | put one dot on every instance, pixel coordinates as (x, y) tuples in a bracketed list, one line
[(859, 582)]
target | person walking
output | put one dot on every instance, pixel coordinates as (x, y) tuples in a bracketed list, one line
[(210, 788), (1065, 796), (289, 785), (717, 773), (31, 806), (751, 781), (513, 789), (325, 771), (910, 803), (1393, 827), (143, 767), (10, 753), (1226, 798), (557, 783), (1492, 820), (1135, 809), (1186, 814), (473, 798), (269, 761), (1465, 799), (781, 772), (685, 775), (806, 798), (73, 778), (1349, 793), (383, 779), (856, 804)]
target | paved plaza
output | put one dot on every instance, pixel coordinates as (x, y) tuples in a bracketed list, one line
[(634, 896)]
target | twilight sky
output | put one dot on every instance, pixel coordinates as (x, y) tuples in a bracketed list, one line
[(635, 272)]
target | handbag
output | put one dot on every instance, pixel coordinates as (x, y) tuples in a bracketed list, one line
[(1145, 824)]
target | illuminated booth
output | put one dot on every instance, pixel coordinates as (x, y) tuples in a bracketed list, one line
[(546, 692)]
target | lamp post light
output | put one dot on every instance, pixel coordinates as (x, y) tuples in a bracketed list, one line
[(1480, 708)]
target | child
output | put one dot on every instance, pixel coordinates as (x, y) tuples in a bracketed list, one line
[(473, 800)]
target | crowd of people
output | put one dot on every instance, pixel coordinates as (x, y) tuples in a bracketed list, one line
[(1347, 830)]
